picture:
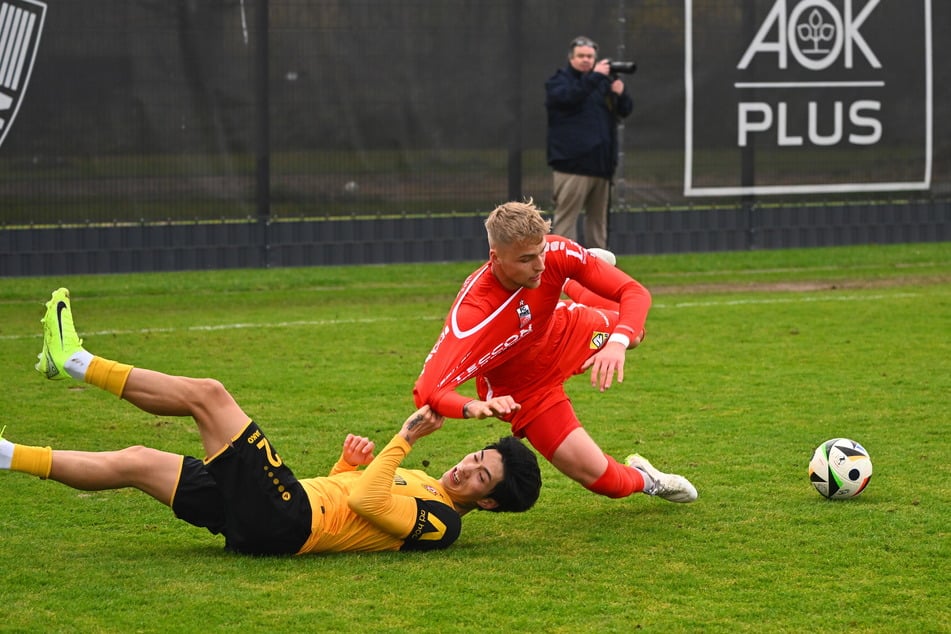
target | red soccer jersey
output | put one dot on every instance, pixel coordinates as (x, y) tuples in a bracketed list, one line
[(489, 325)]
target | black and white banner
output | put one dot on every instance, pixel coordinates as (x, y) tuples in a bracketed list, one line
[(21, 23), (808, 96)]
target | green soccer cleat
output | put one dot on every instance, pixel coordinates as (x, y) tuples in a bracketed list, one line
[(669, 486), (60, 340)]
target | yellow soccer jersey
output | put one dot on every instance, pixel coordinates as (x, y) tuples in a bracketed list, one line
[(382, 507)]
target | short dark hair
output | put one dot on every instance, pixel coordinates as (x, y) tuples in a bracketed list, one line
[(521, 478)]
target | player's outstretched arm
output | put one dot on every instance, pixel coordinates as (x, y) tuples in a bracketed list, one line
[(422, 422), (372, 497), (500, 406)]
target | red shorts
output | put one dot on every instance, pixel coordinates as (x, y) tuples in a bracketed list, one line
[(547, 431), (535, 377)]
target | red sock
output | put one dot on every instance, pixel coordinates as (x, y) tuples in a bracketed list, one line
[(618, 480)]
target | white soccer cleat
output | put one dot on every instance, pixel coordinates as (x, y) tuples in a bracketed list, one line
[(670, 486), (603, 254)]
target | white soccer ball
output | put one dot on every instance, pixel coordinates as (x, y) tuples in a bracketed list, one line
[(840, 469)]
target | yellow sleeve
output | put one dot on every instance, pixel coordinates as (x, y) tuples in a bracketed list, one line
[(423, 524), (342, 466), (371, 497)]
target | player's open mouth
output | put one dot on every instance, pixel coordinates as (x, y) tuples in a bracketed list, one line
[(454, 475)]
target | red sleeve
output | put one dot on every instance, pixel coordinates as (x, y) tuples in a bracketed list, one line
[(633, 298), (435, 385), (610, 283), (445, 369), (580, 295), (468, 344)]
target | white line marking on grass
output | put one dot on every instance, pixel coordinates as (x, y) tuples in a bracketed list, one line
[(783, 300), (239, 326), (376, 320)]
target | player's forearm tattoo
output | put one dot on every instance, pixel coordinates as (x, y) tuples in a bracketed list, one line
[(416, 420)]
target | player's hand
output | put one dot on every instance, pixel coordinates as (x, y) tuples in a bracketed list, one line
[(498, 406), (605, 363), (422, 422), (357, 450)]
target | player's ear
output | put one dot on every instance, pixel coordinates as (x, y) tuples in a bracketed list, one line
[(487, 504)]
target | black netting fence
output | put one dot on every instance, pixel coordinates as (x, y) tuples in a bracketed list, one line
[(141, 110)]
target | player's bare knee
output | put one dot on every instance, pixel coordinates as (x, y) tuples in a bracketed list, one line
[(132, 461), (210, 393)]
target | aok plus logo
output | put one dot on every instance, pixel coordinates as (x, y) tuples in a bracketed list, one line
[(814, 96), (21, 23)]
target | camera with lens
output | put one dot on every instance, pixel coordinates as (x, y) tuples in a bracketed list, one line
[(622, 68)]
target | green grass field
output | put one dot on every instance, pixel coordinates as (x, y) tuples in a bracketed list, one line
[(752, 359)]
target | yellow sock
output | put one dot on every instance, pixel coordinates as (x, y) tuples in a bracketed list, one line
[(33, 460), (110, 376)]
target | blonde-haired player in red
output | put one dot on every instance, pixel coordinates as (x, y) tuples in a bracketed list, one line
[(511, 331)]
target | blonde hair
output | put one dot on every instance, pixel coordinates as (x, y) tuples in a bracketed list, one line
[(515, 222)]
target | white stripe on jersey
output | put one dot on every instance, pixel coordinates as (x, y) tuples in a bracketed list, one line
[(462, 334)]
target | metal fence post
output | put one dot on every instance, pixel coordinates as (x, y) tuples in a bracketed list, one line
[(262, 141)]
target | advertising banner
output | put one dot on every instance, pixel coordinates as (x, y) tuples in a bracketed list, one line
[(808, 97)]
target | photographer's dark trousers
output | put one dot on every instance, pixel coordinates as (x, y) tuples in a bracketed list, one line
[(573, 193)]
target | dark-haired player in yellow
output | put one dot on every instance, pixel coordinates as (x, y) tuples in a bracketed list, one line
[(244, 491)]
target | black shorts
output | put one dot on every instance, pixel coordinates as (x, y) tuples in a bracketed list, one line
[(247, 494)]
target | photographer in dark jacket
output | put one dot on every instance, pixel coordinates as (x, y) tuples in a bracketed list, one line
[(584, 102)]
